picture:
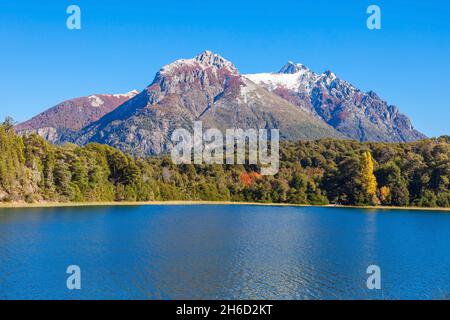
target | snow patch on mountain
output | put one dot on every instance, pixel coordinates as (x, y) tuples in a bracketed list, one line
[(292, 76), (129, 95), (96, 101), (274, 80), (248, 91)]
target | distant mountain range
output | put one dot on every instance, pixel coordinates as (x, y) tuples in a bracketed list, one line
[(208, 88)]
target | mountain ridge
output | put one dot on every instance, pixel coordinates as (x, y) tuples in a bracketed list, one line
[(303, 104), (356, 114), (207, 88), (69, 116)]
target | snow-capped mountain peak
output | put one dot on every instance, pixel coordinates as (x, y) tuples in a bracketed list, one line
[(291, 68), (360, 116), (203, 61), (215, 60)]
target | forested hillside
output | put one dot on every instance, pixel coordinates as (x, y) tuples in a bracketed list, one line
[(311, 172)]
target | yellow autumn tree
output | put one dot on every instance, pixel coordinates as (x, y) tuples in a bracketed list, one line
[(368, 180), (385, 193)]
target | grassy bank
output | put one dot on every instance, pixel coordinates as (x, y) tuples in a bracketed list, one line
[(183, 203)]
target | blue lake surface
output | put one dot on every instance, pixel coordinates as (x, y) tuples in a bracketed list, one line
[(223, 252)]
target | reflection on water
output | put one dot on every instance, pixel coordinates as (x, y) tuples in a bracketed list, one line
[(223, 252)]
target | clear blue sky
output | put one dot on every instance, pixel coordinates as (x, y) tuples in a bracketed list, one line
[(122, 44)]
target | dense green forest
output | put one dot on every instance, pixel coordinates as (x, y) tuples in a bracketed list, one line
[(311, 172)]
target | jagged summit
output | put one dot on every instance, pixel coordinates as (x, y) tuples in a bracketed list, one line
[(360, 116), (205, 60), (292, 68), (213, 59), (329, 73)]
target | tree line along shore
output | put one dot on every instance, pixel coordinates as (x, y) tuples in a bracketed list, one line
[(43, 205), (322, 172)]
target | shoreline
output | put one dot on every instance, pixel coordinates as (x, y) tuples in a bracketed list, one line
[(24, 205)]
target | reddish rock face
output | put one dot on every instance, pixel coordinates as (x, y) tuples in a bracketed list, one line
[(73, 115), (207, 88)]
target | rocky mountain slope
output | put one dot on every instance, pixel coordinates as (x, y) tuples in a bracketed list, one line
[(67, 117), (207, 88), (355, 114)]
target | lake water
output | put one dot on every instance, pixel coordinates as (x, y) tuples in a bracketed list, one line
[(223, 252)]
